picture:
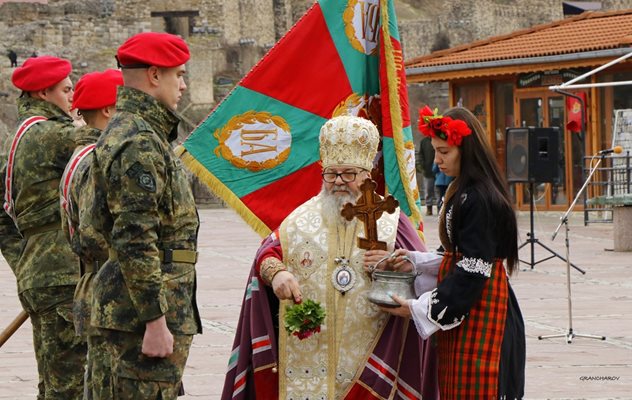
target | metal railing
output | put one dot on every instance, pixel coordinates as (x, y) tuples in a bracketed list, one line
[(612, 177)]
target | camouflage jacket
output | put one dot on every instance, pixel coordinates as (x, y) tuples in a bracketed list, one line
[(93, 247), (11, 242), (142, 203), (40, 160)]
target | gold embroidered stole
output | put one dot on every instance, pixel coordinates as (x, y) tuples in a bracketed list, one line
[(325, 364)]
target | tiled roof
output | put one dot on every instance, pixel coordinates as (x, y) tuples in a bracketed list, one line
[(586, 32)]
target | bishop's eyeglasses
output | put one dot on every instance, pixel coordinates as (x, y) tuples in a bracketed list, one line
[(346, 176)]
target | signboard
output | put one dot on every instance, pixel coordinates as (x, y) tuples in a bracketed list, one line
[(621, 136), (547, 78), (622, 130)]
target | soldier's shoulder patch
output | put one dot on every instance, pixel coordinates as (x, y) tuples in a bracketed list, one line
[(146, 182), (144, 179)]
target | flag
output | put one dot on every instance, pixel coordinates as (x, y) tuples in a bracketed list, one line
[(575, 112), (258, 150)]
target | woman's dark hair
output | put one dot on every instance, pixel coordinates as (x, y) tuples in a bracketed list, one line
[(480, 172)]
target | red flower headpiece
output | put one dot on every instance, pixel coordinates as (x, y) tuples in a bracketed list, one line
[(434, 125)]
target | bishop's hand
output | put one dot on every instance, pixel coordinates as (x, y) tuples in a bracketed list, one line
[(376, 260), (286, 287)]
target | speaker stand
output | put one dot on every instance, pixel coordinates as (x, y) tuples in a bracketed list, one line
[(532, 240)]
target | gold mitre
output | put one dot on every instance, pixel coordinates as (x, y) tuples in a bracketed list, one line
[(350, 141)]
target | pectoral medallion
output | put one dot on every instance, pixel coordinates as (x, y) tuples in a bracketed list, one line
[(343, 278)]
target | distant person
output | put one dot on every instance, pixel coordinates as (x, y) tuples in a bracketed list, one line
[(425, 158), (13, 57), (441, 184)]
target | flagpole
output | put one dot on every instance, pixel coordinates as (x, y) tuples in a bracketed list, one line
[(590, 85)]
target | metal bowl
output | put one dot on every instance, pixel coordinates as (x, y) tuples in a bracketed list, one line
[(385, 282)]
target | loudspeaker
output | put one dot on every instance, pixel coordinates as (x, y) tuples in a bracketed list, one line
[(533, 155)]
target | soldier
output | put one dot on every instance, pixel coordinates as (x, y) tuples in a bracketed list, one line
[(144, 296), (45, 267), (94, 99)]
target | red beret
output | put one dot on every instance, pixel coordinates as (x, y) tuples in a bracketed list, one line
[(151, 48), (38, 73), (97, 90)]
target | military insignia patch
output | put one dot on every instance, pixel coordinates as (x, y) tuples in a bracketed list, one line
[(146, 182), (144, 179)]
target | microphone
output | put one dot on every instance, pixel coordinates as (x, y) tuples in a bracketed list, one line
[(615, 150)]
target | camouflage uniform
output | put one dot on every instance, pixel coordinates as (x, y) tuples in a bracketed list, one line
[(46, 269), (11, 242), (92, 249), (144, 205)]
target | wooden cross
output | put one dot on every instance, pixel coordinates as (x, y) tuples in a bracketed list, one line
[(369, 209)]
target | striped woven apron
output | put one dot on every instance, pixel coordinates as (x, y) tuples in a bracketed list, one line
[(469, 355)]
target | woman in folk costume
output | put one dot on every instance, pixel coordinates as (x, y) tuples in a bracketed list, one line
[(480, 331)]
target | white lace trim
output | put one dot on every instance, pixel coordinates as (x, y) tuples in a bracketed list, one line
[(448, 217), (475, 266), (448, 223), (419, 311), (444, 327)]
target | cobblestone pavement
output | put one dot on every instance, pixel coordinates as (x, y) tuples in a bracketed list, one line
[(584, 369)]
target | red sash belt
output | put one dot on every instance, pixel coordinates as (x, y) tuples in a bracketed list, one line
[(8, 182), (66, 181)]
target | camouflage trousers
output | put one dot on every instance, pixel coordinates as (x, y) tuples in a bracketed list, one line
[(98, 376), (60, 354), (136, 376)]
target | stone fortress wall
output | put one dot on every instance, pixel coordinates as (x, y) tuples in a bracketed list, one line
[(228, 37)]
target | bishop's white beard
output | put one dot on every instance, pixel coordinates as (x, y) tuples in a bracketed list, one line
[(333, 203)]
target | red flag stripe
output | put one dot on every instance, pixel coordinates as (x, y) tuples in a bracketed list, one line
[(318, 80), (258, 202)]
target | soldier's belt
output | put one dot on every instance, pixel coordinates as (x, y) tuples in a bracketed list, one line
[(169, 256), (53, 226)]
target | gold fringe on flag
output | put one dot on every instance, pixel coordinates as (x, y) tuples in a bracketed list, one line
[(396, 114), (222, 191)]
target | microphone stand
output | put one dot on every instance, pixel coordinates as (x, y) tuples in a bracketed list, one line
[(570, 334)]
